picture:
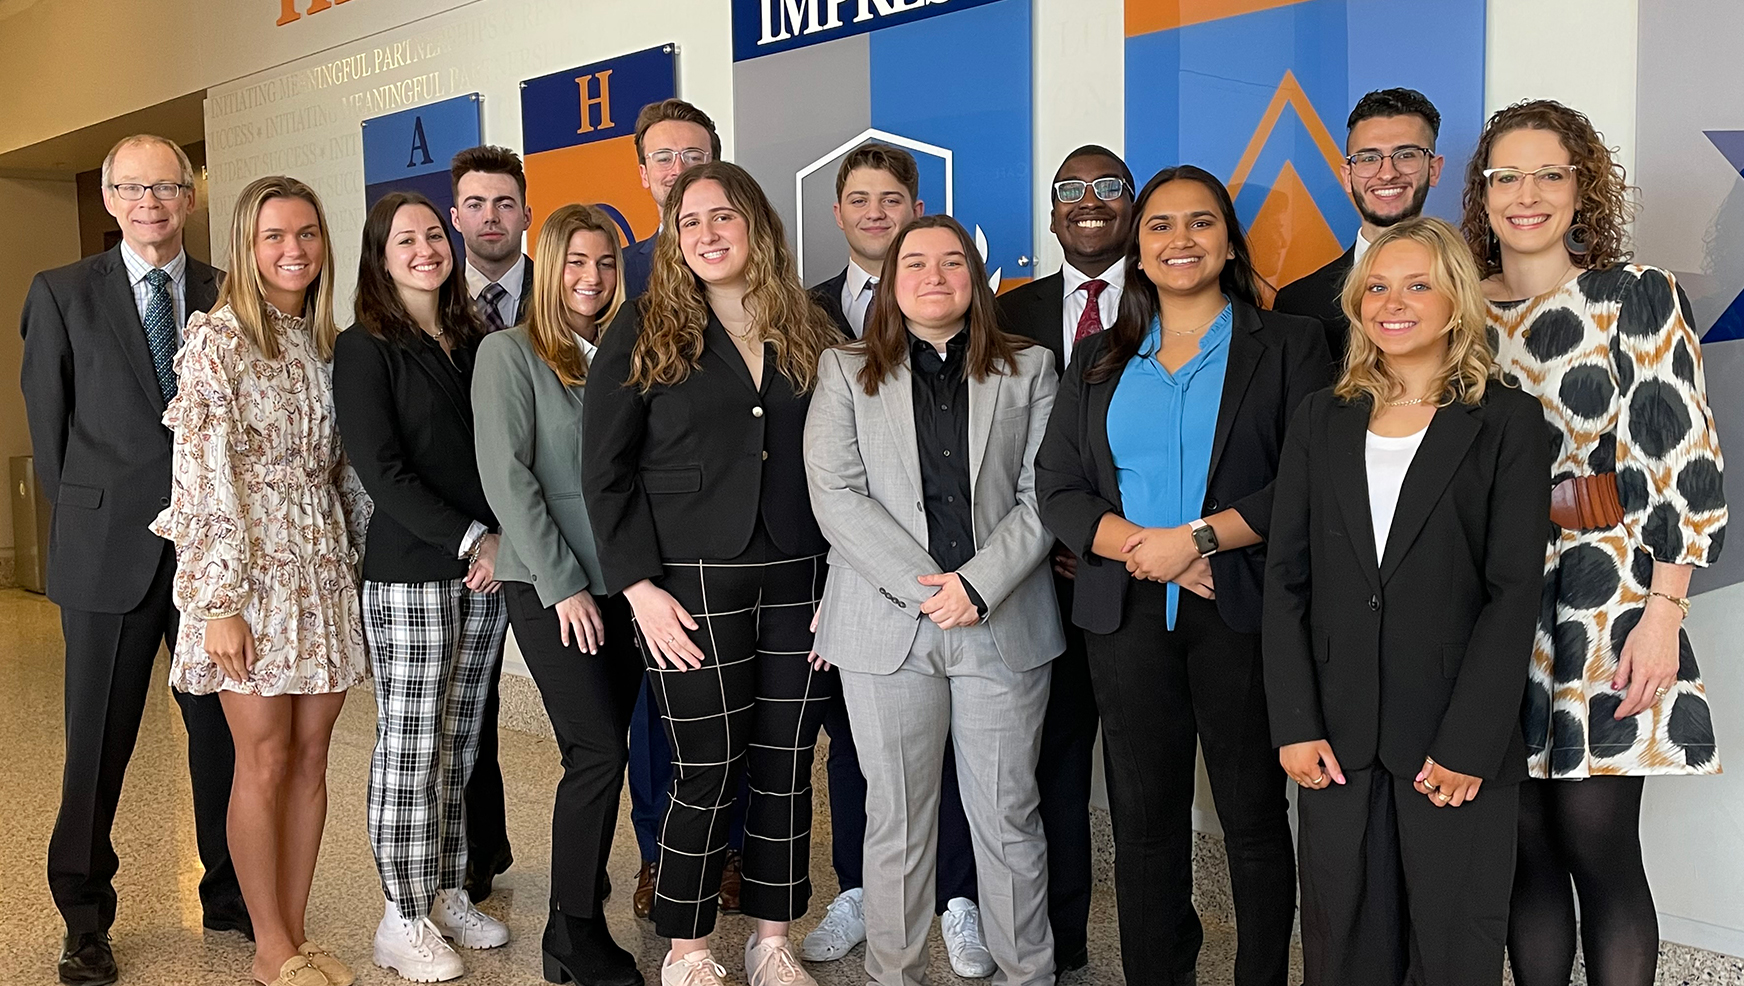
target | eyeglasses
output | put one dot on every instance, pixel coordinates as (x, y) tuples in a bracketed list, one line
[(163, 191), (1107, 189), (1407, 160), (1549, 176), (691, 156)]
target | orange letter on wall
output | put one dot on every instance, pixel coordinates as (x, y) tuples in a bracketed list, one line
[(588, 102), (287, 12)]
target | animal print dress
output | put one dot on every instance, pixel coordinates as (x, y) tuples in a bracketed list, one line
[(1613, 359)]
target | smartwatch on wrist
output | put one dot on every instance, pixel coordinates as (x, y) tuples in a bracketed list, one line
[(1204, 537)]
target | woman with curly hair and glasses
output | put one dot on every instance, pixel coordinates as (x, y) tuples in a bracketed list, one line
[(695, 485), (1637, 502)]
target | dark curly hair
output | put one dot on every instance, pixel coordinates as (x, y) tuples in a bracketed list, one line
[(1603, 205)]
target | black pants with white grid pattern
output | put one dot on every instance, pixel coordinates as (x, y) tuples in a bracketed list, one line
[(432, 646), (754, 706)]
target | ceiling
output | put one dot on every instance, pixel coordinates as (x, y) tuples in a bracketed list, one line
[(182, 120)]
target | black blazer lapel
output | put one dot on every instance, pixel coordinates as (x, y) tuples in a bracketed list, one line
[(526, 288), (828, 295), (1099, 397), (1347, 443), (202, 287), (719, 345), (116, 296), (1451, 433), (427, 356), (1245, 348)]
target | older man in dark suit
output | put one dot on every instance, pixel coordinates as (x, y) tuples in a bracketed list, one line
[(1092, 217), (100, 338), (1390, 167)]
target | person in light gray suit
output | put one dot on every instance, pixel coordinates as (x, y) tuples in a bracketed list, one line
[(939, 610)]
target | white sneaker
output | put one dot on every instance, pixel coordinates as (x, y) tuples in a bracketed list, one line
[(415, 949), (454, 915), (843, 927), (771, 962), (961, 927), (698, 968)]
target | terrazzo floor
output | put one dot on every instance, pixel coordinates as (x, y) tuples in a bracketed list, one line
[(157, 936)]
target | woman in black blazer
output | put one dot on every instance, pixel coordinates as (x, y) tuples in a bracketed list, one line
[(694, 421), (401, 386), (1157, 471), (1402, 592)]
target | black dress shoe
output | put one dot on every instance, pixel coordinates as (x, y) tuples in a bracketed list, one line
[(480, 873), (86, 959), (581, 950), (235, 920)]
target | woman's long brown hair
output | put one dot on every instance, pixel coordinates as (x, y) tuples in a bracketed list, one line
[(378, 307), (674, 309), (884, 343), (548, 313)]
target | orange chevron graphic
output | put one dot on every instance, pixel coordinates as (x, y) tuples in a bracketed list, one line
[(1147, 16), (1289, 93)]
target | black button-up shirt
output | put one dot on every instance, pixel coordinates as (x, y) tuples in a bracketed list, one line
[(941, 429)]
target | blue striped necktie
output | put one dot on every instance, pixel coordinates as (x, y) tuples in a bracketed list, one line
[(160, 332)]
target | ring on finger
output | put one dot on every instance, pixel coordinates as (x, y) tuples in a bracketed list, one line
[(1443, 797), (1660, 692), (1318, 779)]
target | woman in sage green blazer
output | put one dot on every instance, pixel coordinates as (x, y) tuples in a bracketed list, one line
[(577, 641)]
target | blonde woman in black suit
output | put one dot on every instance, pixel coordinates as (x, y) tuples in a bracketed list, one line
[(1402, 591)]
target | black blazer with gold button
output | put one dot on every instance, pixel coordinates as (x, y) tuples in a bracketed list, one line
[(1424, 652), (685, 471)]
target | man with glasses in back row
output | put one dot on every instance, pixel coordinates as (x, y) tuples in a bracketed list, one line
[(100, 340), (1092, 218), (672, 137), (1390, 167)]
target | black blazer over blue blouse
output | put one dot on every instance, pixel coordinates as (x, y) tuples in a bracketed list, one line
[(686, 471), (1274, 362), (1426, 652), (405, 416)]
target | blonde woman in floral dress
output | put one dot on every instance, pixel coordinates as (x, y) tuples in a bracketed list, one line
[(268, 521), (1615, 696)]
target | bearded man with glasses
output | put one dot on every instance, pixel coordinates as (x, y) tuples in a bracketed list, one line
[(1389, 168), (100, 340)]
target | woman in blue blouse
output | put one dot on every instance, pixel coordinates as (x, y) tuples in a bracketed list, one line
[(1157, 470)]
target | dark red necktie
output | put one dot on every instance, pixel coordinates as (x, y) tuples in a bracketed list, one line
[(1090, 322)]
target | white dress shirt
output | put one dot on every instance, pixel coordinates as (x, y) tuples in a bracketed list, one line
[(1073, 309), (1362, 247), (509, 305), (177, 269), (857, 291)]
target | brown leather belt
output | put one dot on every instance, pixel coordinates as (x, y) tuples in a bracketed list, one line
[(1586, 503)]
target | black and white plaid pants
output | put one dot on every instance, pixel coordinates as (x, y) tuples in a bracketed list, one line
[(755, 705), (432, 646)]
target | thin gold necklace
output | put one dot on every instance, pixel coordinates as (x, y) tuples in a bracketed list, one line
[(1190, 332), (1414, 400)]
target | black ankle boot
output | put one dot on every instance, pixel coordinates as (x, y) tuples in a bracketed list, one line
[(581, 950)]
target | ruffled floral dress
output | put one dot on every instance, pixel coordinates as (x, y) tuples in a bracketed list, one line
[(266, 514)]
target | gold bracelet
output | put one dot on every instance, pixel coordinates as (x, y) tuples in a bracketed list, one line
[(1678, 601)]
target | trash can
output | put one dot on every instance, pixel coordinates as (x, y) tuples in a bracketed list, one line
[(30, 522)]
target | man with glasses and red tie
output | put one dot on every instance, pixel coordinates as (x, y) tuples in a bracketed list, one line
[(672, 137), (100, 340), (1092, 218), (1389, 167)]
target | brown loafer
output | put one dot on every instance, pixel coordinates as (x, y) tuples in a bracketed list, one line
[(643, 902), (732, 879), (299, 971), (337, 972)]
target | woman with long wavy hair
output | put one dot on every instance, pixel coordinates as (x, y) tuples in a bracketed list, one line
[(577, 640), (1157, 471), (1401, 593), (268, 520), (1607, 348), (696, 488), (431, 610)]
